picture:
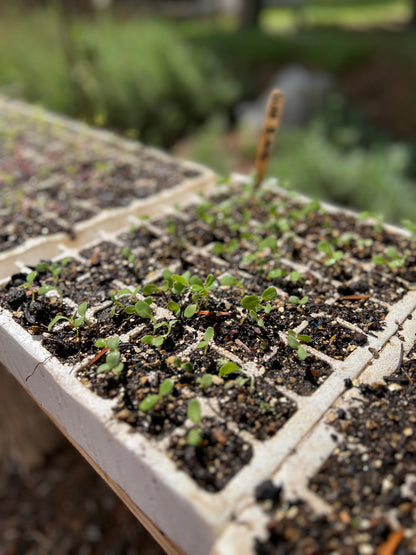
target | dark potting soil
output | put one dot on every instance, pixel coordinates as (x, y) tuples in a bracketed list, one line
[(219, 457), (336, 304), (369, 480)]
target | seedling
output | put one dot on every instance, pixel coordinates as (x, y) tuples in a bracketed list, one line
[(185, 366), (194, 414), (30, 278), (158, 340), (114, 297), (112, 362), (392, 258), (295, 341), (332, 256), (377, 220), (199, 290), (77, 319), (205, 380), (255, 304), (127, 254), (297, 301), (55, 268), (231, 281), (230, 368), (226, 248), (150, 401), (208, 335)]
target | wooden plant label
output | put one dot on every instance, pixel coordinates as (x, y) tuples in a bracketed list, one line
[(268, 133)]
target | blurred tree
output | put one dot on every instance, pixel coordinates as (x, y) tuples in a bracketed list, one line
[(250, 12), (413, 18)]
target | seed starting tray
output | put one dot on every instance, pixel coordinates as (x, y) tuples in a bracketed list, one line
[(307, 435)]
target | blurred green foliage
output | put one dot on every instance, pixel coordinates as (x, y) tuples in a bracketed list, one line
[(137, 76)]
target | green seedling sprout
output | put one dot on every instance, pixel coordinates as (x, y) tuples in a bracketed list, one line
[(112, 362), (150, 401), (186, 366), (194, 414), (295, 341), (77, 319), (55, 268), (199, 290), (297, 301), (115, 295), (30, 278), (158, 340), (254, 304), (127, 254), (205, 381), (392, 258), (230, 368), (376, 218), (232, 281), (208, 335), (332, 256)]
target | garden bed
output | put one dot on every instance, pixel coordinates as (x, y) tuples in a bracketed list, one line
[(217, 360)]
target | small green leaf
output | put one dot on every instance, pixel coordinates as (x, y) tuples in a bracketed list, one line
[(190, 310), (179, 279), (150, 288), (304, 338), (113, 343), (209, 281), (148, 402), (100, 343), (209, 333), (380, 260), (228, 368), (44, 289), (82, 309), (292, 342), (302, 353), (113, 358), (78, 322), (42, 267), (194, 438), (228, 280), (143, 309), (166, 387), (55, 320), (158, 341), (206, 380), (269, 294), (30, 278), (174, 307), (147, 340), (188, 367), (194, 411), (325, 247), (103, 368), (250, 302), (195, 280), (118, 369)]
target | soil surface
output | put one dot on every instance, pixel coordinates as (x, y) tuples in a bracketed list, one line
[(318, 294), (369, 480)]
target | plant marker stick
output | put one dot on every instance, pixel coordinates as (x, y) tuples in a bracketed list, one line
[(268, 133)]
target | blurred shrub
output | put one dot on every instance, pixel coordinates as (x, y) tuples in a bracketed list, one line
[(335, 169), (129, 75), (372, 178)]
